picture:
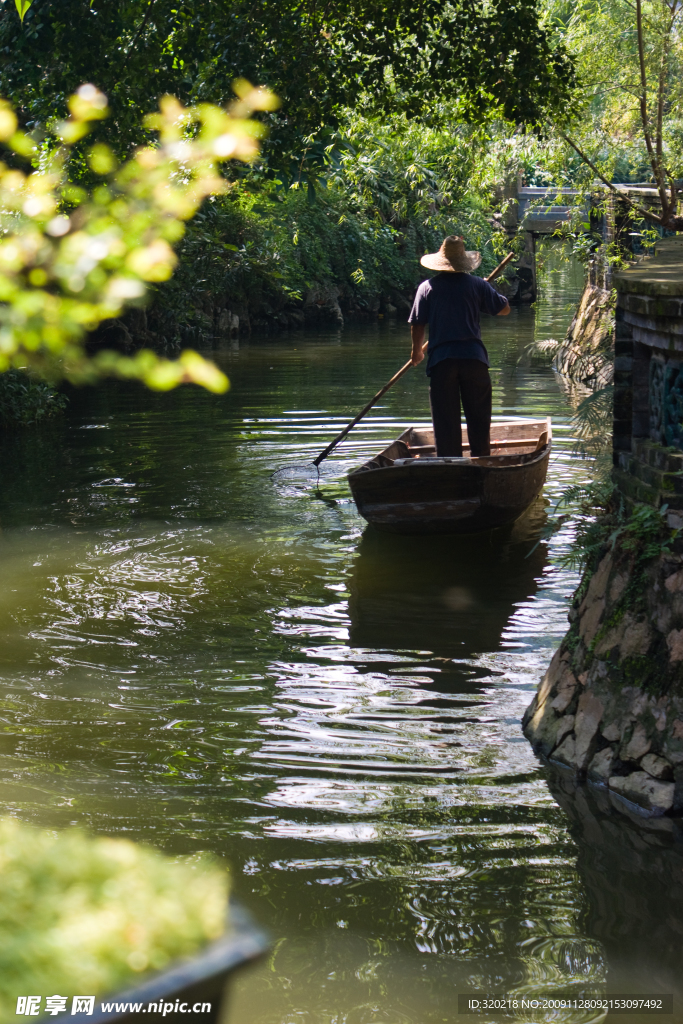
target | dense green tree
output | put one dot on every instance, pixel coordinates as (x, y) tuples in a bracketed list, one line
[(627, 115), (485, 55)]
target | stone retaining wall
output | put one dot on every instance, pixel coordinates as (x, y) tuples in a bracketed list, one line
[(585, 355), (610, 707), (648, 385)]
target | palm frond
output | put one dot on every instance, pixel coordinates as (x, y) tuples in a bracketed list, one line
[(541, 351)]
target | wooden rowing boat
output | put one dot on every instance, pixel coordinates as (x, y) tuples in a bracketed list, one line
[(407, 489)]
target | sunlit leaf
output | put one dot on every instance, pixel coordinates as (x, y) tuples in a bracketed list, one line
[(22, 8), (63, 273)]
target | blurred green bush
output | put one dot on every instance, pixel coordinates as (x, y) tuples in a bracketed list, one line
[(82, 915)]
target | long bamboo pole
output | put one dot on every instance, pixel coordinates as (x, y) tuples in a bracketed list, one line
[(397, 376)]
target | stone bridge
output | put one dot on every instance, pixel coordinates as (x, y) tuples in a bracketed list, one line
[(540, 212)]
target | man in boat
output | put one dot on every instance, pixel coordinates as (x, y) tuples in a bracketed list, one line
[(457, 362)]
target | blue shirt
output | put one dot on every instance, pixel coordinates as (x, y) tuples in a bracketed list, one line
[(451, 304)]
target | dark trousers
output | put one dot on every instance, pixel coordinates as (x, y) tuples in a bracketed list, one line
[(454, 381)]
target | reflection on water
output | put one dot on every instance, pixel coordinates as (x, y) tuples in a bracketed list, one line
[(447, 594), (632, 870), (198, 658)]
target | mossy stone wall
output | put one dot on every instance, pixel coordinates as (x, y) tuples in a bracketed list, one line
[(610, 707), (648, 361)]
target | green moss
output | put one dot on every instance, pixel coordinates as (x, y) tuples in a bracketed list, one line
[(640, 670), (572, 639), (609, 623)]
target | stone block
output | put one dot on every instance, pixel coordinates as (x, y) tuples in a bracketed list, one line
[(654, 454), (622, 421), (636, 638), (621, 437), (611, 731), (600, 768), (541, 728), (635, 304), (617, 587), (659, 710), (623, 401), (635, 746), (640, 788), (674, 642), (665, 307), (564, 727), (598, 583), (541, 723), (546, 686), (632, 487), (672, 482), (657, 767), (669, 461), (589, 622), (566, 688), (659, 331), (674, 501), (672, 746), (674, 582), (566, 752), (631, 636), (588, 717), (623, 365), (648, 474)]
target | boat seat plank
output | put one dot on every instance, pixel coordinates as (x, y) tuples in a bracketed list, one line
[(515, 442), (426, 450)]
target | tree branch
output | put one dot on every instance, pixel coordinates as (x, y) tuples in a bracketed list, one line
[(656, 168), (674, 193), (660, 106), (615, 191), (141, 27)]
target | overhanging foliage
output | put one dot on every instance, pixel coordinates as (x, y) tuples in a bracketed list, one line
[(486, 56)]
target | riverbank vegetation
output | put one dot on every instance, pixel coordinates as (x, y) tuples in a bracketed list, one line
[(348, 244), (396, 124), (378, 147)]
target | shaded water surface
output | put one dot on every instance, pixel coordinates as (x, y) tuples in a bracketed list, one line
[(198, 658)]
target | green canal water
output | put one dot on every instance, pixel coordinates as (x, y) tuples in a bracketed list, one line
[(198, 658)]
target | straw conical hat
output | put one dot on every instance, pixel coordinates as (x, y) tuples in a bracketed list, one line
[(452, 257)]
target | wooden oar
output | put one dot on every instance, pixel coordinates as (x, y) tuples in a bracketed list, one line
[(397, 376)]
